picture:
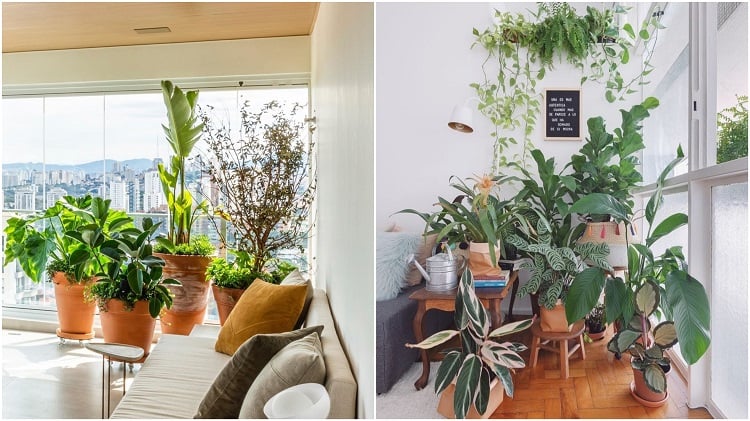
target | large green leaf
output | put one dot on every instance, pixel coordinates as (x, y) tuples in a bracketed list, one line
[(655, 378), (665, 335), (448, 370), (689, 303), (666, 227), (618, 299), (584, 293), (600, 203), (483, 392), (466, 385), (510, 328), (647, 298), (503, 373)]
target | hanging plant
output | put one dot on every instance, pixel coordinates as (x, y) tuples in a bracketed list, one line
[(524, 51)]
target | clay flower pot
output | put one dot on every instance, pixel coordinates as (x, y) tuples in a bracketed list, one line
[(643, 394), (190, 300), (225, 298), (554, 320), (598, 335), (76, 316), (445, 406), (130, 327)]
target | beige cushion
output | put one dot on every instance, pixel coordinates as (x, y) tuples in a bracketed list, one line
[(263, 308), (224, 398), (296, 278), (299, 362)]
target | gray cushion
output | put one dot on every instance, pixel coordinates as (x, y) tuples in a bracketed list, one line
[(224, 398), (299, 362), (296, 278)]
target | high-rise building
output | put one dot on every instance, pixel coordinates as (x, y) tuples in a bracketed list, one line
[(118, 193), (26, 198), (153, 194), (11, 178), (54, 194), (135, 204)]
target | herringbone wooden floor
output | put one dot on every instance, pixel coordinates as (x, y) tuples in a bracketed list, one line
[(598, 387)]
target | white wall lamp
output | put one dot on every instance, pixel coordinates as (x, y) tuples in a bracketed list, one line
[(462, 117)]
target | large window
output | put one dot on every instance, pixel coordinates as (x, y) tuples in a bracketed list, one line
[(107, 145)]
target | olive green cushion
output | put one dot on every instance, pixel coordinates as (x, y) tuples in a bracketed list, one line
[(299, 362), (224, 398)]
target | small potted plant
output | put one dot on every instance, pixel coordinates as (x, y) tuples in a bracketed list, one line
[(186, 257), (131, 291), (470, 378), (596, 326)]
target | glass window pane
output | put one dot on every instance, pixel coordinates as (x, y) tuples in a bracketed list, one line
[(729, 300), (731, 81)]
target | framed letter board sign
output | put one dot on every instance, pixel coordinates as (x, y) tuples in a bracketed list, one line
[(562, 114)]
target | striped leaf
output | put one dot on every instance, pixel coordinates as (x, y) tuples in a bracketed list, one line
[(622, 341), (483, 393), (514, 327), (435, 340), (503, 373), (466, 385), (555, 259), (494, 353), (448, 370)]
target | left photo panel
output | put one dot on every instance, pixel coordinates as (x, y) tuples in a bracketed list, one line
[(188, 210)]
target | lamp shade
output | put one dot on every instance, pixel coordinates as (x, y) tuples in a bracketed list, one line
[(308, 401), (461, 119)]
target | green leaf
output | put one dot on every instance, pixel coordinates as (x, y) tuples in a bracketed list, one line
[(666, 227), (435, 340), (643, 34), (625, 57), (510, 328), (623, 340), (665, 335), (584, 293), (503, 373), (448, 370), (610, 96), (600, 203), (483, 393), (647, 298), (689, 302), (617, 297), (466, 385), (629, 29), (154, 307), (655, 378)]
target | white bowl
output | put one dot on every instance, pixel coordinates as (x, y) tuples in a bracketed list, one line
[(307, 400)]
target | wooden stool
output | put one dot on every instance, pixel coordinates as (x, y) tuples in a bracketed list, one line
[(542, 339)]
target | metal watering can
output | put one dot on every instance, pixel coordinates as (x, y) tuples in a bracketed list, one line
[(442, 272)]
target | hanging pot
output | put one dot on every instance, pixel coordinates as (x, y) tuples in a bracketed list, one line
[(481, 264), (615, 236), (445, 405), (554, 320), (76, 316)]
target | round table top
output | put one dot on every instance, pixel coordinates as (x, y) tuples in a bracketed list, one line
[(575, 331), (127, 353)]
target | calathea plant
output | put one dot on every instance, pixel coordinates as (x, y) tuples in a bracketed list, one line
[(481, 356)]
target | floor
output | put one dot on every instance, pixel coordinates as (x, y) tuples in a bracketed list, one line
[(598, 387), (43, 379)]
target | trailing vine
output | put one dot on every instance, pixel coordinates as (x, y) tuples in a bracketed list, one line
[(524, 51)]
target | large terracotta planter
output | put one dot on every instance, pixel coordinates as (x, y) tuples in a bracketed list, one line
[(445, 406), (480, 263), (643, 394), (225, 298), (130, 327), (75, 315), (554, 320), (190, 300), (614, 235)]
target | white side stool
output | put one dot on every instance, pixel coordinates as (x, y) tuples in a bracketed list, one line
[(117, 352)]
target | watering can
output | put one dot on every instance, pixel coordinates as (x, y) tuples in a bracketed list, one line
[(442, 270)]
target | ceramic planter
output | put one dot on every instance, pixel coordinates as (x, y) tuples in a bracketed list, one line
[(614, 235), (597, 336), (190, 299), (225, 298), (643, 394), (445, 406), (480, 263), (554, 320), (130, 327), (75, 315)]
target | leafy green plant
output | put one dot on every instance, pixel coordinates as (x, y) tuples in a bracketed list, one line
[(595, 320), (199, 245), (607, 162), (732, 135), (240, 272), (487, 219), (480, 357), (132, 273), (653, 285), (182, 132), (520, 53)]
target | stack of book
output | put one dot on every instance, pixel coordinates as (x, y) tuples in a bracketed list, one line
[(492, 281)]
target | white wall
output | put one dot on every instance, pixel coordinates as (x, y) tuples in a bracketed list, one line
[(342, 97), (424, 68)]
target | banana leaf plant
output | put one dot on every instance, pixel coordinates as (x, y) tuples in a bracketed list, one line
[(183, 132), (481, 356), (654, 285)]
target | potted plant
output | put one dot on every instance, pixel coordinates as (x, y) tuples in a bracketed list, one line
[(264, 182), (231, 279), (131, 291), (483, 224), (607, 164), (52, 240), (547, 239), (653, 284), (470, 377), (186, 258), (596, 326)]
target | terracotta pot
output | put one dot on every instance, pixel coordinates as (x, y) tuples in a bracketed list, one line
[(643, 394), (614, 235), (554, 320), (190, 299), (225, 298), (130, 327), (597, 336), (480, 263), (75, 315), (445, 406)]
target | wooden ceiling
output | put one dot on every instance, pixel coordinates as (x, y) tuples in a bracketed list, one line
[(55, 26)]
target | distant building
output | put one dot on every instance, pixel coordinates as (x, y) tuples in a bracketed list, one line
[(11, 179), (25, 198), (118, 193), (153, 194), (54, 194), (135, 204)]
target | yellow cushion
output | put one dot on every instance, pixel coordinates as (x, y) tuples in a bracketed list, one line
[(263, 308)]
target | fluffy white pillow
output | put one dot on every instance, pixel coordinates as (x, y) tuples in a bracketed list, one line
[(392, 249)]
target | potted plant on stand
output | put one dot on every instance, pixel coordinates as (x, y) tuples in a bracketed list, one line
[(653, 284), (57, 246), (130, 292), (186, 258), (265, 191), (470, 377)]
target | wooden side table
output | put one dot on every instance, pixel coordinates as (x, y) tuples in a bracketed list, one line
[(116, 352), (446, 301)]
